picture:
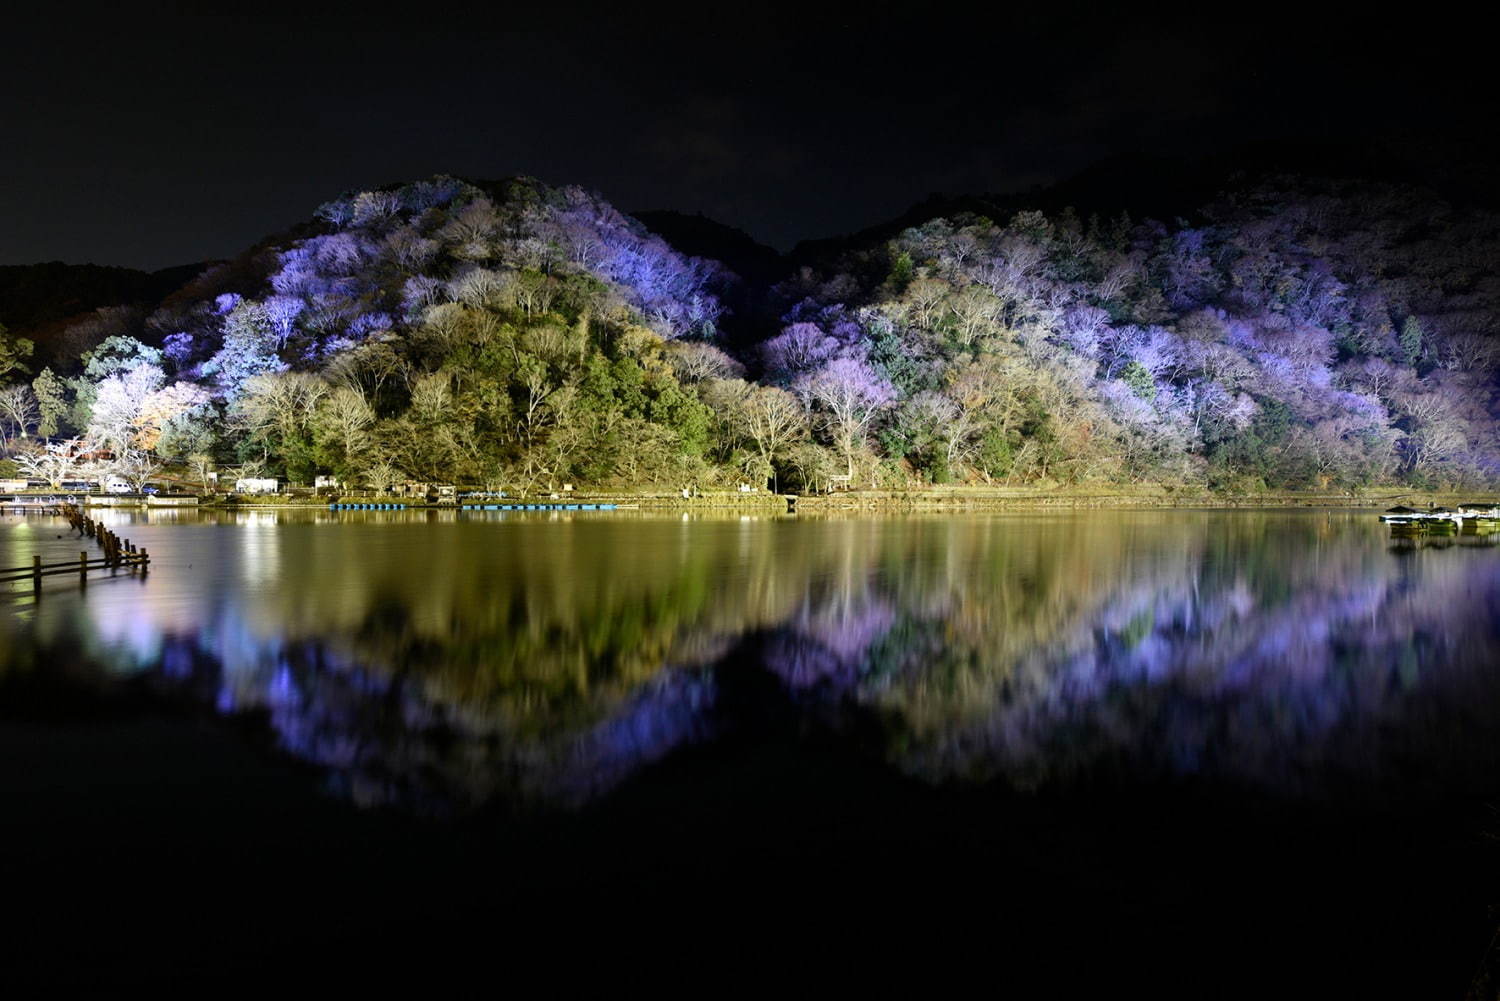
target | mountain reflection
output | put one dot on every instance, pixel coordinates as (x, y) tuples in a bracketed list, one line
[(453, 663)]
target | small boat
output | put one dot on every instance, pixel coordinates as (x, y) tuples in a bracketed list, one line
[(1400, 515)]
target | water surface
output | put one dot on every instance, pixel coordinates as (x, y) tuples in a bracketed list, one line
[(508, 665)]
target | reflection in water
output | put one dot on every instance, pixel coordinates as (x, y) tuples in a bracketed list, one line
[(448, 661)]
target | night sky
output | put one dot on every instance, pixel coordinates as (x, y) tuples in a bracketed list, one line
[(161, 138)]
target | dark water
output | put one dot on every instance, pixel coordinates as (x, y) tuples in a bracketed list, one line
[(1196, 750)]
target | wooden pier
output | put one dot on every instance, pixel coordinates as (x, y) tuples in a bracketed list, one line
[(118, 554)]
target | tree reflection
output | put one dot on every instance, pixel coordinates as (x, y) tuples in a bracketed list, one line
[(441, 666)]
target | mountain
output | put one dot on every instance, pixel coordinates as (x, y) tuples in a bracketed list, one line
[(1167, 188), (699, 236), (1259, 330), (40, 301)]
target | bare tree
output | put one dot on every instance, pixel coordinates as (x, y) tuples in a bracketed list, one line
[(18, 412), (135, 466), (345, 416), (381, 476), (773, 420), (850, 395)]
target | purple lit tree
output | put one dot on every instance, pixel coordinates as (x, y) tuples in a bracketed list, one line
[(799, 348), (849, 396)]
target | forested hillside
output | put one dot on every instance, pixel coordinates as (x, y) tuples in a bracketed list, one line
[(1306, 334), (1297, 334)]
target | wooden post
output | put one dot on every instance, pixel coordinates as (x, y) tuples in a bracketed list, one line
[(36, 574), (145, 562), (83, 569)]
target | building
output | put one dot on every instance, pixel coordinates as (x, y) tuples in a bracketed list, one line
[(257, 486)]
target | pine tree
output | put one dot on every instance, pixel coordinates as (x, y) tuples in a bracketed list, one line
[(51, 401), (1411, 340)]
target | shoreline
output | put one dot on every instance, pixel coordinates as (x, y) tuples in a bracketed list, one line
[(956, 500)]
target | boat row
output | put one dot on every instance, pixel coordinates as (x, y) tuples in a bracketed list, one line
[(1459, 515), (540, 507)]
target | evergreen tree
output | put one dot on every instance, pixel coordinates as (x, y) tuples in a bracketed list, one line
[(1411, 340), (51, 401)]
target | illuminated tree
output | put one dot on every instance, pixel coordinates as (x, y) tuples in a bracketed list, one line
[(341, 427), (18, 413), (849, 395), (799, 348), (773, 420), (249, 349), (51, 401)]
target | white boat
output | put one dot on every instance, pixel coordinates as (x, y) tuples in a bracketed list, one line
[(1465, 512)]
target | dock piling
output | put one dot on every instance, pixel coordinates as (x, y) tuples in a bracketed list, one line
[(115, 554)]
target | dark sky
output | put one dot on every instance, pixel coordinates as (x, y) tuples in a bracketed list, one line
[(157, 137)]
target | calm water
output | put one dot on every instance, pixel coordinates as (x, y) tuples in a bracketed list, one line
[(967, 675)]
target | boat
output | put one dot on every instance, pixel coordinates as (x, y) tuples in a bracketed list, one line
[(1443, 520)]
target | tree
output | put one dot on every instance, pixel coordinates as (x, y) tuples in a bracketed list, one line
[(18, 412), (275, 412), (51, 401), (188, 433), (1436, 430), (849, 395), (202, 464), (369, 367), (117, 405), (814, 465), (165, 408), (1412, 340), (926, 296), (135, 466), (773, 420), (1139, 380), (113, 358), (14, 351), (928, 429), (132, 409), (696, 361), (118, 354), (341, 429), (250, 339), (797, 349), (55, 461), (381, 476)]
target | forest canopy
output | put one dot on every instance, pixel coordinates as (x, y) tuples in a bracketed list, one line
[(1295, 334)]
